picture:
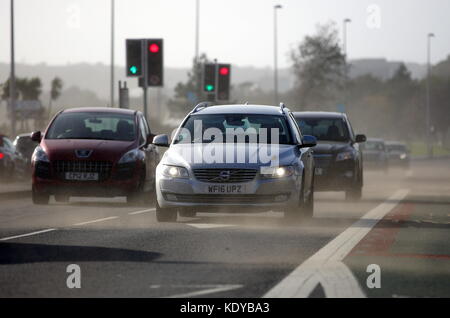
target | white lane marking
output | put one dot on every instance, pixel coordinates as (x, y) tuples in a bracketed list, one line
[(326, 267), (208, 226), (25, 235), (142, 211), (210, 289), (96, 221)]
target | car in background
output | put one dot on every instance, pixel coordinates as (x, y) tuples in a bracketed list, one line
[(25, 147), (338, 159), (186, 184), (376, 155), (12, 164), (100, 152), (399, 154)]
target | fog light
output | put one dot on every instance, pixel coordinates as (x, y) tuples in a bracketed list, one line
[(171, 197), (280, 198)]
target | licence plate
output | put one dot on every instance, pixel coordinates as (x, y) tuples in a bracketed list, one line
[(319, 171), (82, 176), (226, 188)]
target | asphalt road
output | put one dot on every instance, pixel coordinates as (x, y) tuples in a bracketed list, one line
[(400, 230)]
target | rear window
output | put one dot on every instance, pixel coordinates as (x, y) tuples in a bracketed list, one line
[(324, 129), (92, 125)]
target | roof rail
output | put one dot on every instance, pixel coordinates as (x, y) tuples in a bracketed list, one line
[(246, 103), (201, 106)]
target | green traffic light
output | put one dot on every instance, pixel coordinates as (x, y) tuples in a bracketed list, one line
[(133, 69), (209, 88)]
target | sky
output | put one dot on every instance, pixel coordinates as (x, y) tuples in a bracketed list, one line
[(240, 32)]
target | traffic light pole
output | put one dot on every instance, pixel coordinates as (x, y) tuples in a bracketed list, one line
[(145, 77)]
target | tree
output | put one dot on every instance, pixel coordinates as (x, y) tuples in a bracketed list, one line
[(26, 89), (319, 65), (55, 92), (189, 93)]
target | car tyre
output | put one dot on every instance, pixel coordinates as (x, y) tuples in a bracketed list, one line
[(355, 193), (305, 208), (40, 198), (166, 215)]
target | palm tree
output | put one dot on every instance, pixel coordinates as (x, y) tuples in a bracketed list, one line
[(55, 92)]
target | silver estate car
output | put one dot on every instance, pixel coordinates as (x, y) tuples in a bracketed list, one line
[(236, 158)]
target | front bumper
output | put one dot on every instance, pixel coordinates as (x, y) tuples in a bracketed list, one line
[(119, 181), (332, 175), (259, 194)]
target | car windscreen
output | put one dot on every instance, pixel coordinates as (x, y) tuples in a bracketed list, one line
[(373, 146), (397, 148), (93, 125), (324, 129), (235, 128)]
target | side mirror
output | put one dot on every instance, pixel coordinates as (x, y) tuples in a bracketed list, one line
[(150, 138), (36, 136), (361, 138), (309, 141), (161, 141)]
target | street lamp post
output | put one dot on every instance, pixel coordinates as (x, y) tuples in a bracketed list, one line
[(197, 46), (112, 55), (275, 8), (346, 21), (344, 36), (12, 78), (428, 113)]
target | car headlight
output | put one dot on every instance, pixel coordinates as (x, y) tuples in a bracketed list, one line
[(403, 156), (39, 154), (130, 156), (348, 155), (277, 172), (175, 172)]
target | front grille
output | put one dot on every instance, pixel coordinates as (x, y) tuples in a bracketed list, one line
[(230, 199), (235, 175), (103, 168)]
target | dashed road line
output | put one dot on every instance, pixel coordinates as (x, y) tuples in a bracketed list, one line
[(208, 226), (96, 221), (210, 289), (142, 211), (326, 266), (27, 234)]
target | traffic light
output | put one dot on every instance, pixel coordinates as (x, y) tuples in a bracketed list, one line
[(134, 58), (155, 62), (209, 78), (223, 82)]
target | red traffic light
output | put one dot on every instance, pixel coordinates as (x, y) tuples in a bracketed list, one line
[(224, 71), (154, 48)]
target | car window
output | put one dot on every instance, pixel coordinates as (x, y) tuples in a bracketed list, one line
[(93, 125), (8, 144), (325, 129), (236, 128), (373, 146)]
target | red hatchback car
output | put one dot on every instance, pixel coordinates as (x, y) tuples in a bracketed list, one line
[(101, 152)]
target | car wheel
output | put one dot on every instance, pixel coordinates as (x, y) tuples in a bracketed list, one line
[(166, 215), (62, 198), (137, 196), (305, 208), (40, 198)]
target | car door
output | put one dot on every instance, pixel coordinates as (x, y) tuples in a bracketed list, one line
[(307, 157)]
